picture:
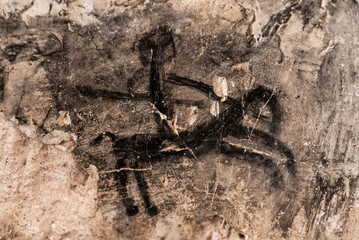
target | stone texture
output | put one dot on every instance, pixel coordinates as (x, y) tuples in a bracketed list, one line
[(179, 119), (46, 194)]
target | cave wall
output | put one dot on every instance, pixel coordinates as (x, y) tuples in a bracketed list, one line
[(179, 119)]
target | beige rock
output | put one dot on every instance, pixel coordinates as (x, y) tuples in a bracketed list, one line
[(44, 192)]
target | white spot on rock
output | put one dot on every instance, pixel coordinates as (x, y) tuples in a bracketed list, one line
[(214, 110), (64, 118), (220, 87), (56, 137), (324, 3)]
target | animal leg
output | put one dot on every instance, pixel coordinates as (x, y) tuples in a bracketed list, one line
[(152, 210), (121, 179)]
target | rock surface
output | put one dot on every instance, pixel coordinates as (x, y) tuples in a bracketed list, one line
[(164, 119)]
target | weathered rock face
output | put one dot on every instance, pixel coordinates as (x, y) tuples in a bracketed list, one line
[(179, 119), (45, 193)]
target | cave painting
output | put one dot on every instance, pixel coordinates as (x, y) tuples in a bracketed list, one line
[(224, 132)]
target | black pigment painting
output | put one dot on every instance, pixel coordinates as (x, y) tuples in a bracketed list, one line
[(178, 119), (132, 152)]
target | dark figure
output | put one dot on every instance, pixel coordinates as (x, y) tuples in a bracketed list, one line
[(145, 148), (132, 152)]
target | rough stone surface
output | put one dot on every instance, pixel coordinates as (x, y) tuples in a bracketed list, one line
[(46, 194), (164, 119)]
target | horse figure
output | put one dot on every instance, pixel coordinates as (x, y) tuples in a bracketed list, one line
[(132, 152)]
